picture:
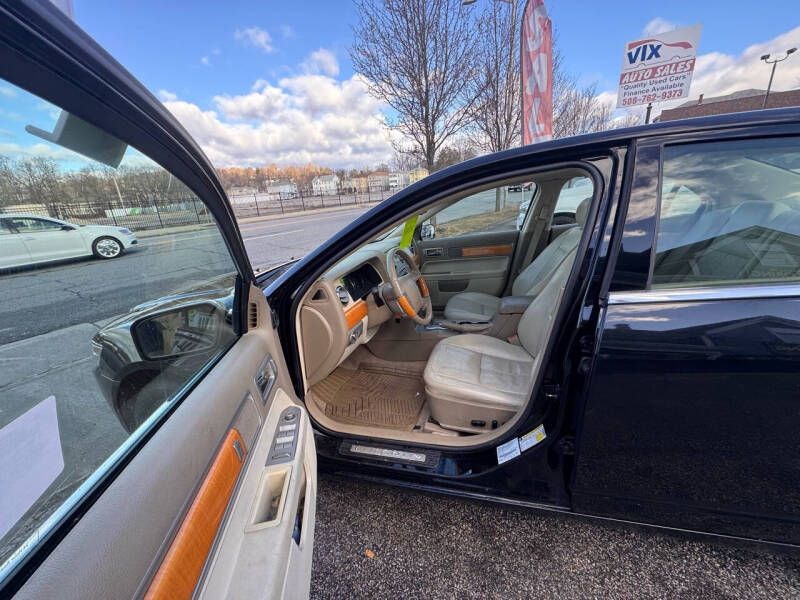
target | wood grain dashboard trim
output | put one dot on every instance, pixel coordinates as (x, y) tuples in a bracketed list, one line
[(494, 250), (180, 570), (355, 313)]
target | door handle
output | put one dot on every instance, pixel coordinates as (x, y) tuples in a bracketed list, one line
[(433, 252)]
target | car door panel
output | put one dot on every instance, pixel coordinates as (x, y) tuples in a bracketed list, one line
[(121, 543), (475, 262), (13, 252), (54, 245)]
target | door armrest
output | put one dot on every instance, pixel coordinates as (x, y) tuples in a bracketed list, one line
[(514, 305)]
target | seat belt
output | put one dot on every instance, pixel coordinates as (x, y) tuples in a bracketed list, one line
[(538, 228)]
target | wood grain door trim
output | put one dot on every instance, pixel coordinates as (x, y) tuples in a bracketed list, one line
[(493, 250), (180, 570), (355, 313)]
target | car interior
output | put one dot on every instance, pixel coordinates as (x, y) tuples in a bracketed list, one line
[(438, 340)]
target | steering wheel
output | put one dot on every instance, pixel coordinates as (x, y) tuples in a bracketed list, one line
[(410, 290)]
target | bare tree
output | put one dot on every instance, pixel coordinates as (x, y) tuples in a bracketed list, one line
[(420, 57), (498, 110), (578, 109)]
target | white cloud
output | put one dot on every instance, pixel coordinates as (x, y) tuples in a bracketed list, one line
[(7, 92), (255, 36), (658, 25), (287, 31), (205, 61), (39, 150), (167, 96), (321, 61), (310, 117)]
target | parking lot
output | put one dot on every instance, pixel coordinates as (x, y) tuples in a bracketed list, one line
[(429, 546)]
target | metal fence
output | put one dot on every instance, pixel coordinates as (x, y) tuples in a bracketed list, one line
[(256, 205), (142, 214)]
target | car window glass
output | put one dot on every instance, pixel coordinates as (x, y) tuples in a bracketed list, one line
[(573, 192), (496, 209), (730, 213), (100, 328), (35, 225)]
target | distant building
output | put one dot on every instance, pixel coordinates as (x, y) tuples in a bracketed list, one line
[(743, 100), (325, 185), (378, 181), (417, 174), (285, 189), (242, 190), (398, 180)]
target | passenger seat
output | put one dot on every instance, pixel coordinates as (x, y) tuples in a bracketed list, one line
[(476, 306)]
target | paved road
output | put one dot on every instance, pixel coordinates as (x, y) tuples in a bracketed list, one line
[(440, 547), (39, 300)]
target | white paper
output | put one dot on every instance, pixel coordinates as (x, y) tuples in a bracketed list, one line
[(507, 451), (530, 439), (30, 460)]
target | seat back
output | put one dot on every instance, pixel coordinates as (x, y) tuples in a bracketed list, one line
[(535, 276), (537, 320)]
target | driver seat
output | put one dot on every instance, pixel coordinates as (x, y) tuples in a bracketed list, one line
[(477, 382)]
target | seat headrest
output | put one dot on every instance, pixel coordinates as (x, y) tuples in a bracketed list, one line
[(582, 211)]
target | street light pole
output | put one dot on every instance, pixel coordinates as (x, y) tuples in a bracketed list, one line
[(774, 62)]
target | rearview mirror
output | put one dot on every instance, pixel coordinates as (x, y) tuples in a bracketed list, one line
[(84, 138), (178, 331)]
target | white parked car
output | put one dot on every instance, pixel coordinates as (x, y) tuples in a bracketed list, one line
[(31, 239)]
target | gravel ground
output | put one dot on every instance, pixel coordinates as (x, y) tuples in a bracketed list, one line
[(373, 541)]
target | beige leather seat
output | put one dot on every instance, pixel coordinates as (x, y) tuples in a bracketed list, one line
[(474, 380), (476, 306)]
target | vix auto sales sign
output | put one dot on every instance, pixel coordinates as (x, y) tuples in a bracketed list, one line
[(658, 67)]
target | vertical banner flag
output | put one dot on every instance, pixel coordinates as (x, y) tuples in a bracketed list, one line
[(537, 73)]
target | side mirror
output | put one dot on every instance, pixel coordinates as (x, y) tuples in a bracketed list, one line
[(427, 231), (181, 331), (67, 228)]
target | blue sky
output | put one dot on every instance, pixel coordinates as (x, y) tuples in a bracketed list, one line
[(271, 81)]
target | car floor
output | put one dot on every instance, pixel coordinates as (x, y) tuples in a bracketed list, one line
[(374, 541), (372, 396)]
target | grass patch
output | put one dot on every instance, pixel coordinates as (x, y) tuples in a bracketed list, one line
[(475, 223)]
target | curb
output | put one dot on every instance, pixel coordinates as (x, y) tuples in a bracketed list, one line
[(301, 213)]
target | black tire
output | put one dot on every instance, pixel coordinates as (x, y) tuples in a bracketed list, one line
[(107, 247)]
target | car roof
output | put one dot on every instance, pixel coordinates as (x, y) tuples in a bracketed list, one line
[(28, 216)]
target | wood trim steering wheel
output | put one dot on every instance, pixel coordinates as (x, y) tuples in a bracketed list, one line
[(410, 290)]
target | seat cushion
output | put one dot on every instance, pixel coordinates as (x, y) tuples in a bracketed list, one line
[(471, 306), (473, 377)]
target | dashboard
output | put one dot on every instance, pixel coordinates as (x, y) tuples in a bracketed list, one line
[(359, 283)]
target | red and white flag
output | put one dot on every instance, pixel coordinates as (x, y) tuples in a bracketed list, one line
[(537, 73)]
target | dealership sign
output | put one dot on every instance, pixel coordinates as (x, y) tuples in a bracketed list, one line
[(658, 67)]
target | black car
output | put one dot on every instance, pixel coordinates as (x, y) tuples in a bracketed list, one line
[(641, 364)]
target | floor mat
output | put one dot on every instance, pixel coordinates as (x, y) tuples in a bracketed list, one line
[(371, 397)]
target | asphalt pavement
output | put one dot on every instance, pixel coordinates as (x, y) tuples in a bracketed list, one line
[(39, 300), (373, 541)]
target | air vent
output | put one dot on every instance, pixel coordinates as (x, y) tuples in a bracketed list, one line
[(252, 316), (344, 297)]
